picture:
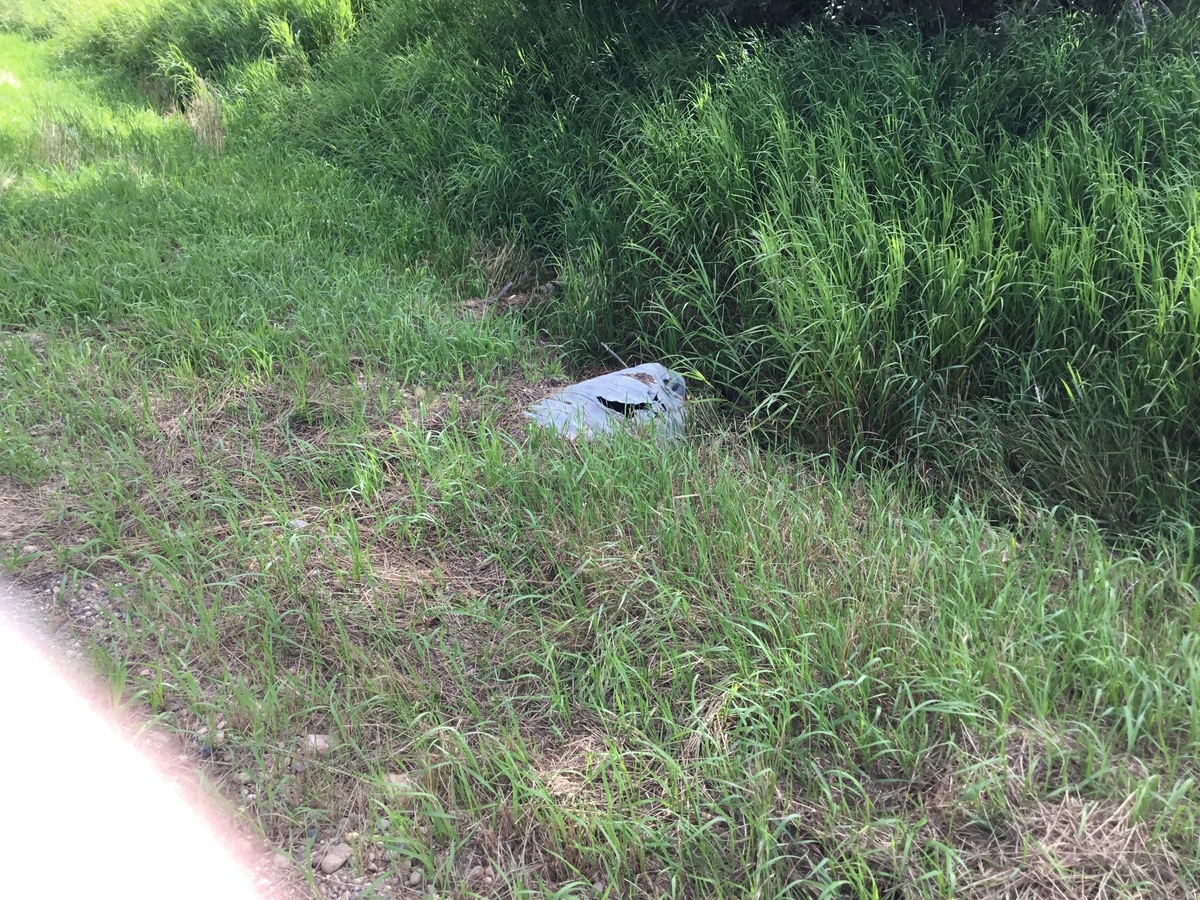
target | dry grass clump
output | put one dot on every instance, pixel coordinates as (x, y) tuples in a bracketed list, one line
[(1016, 842), (58, 144), (1073, 849), (204, 117)]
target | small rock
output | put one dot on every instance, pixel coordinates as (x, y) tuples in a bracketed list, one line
[(28, 548), (335, 857), (312, 834), (243, 778), (219, 737), (317, 743), (279, 861), (297, 524), (6, 535), (145, 673), (414, 877), (598, 888), (352, 836), (222, 724), (398, 787), (476, 872)]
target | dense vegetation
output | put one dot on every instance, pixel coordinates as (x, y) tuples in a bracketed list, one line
[(243, 391), (975, 251)]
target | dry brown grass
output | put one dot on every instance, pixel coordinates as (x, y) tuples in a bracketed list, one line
[(1028, 845), (19, 513), (504, 264), (1073, 849), (58, 144), (204, 117)]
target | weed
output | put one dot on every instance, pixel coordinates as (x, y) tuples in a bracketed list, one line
[(969, 252), (241, 395)]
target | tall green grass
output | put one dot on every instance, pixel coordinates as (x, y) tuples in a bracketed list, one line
[(976, 252), (617, 669), (212, 35)]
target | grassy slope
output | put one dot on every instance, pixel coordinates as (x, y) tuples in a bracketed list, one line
[(974, 251), (687, 671)]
